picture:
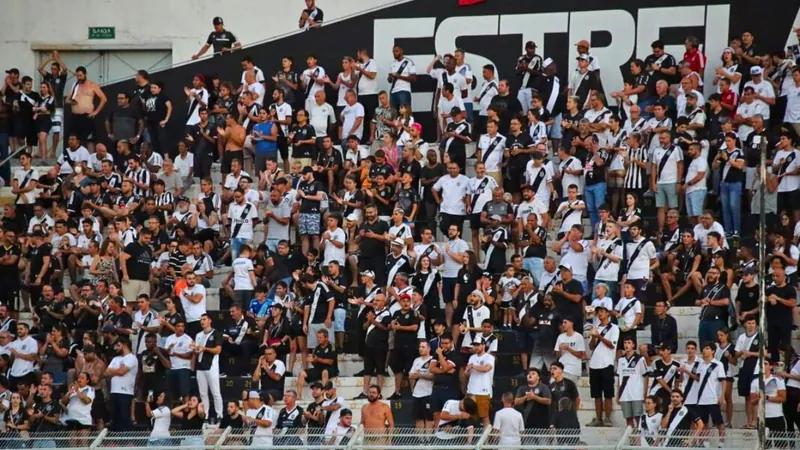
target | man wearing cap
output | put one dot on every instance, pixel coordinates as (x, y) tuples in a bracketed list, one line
[(529, 68), (261, 418), (603, 343), (472, 319), (220, 39), (344, 430), (584, 82), (457, 134), (480, 375), (568, 295)]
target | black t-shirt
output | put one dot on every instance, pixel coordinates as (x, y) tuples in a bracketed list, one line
[(139, 262), (380, 169), (752, 150), (538, 250), (405, 339), (508, 107), (748, 297), (358, 197), (563, 389), (373, 247), (321, 295), (567, 308), (228, 421), (315, 14), (517, 163), (155, 108), (290, 419), (302, 134), (686, 257), (58, 82), (449, 380), (313, 407), (685, 422), (715, 292), (468, 280), (140, 95), (9, 275), (49, 409), (385, 193), (588, 82), (125, 122), (665, 61), (313, 188), (220, 40), (406, 199), (779, 313), (36, 257), (594, 173), (17, 418), (27, 100), (325, 352), (121, 320), (153, 372), (569, 133), (201, 145), (378, 338), (340, 299), (457, 147), (428, 173), (291, 76), (17, 224), (413, 167), (548, 326)]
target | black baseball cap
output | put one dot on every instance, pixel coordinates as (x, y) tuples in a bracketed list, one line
[(218, 20), (13, 71), (455, 111), (307, 169)]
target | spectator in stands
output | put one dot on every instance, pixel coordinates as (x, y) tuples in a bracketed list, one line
[(571, 349), (122, 371), (324, 361), (562, 387), (25, 351), (603, 343), (181, 355), (207, 347), (79, 401), (632, 383), (509, 422)]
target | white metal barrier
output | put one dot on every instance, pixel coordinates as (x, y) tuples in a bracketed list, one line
[(359, 438)]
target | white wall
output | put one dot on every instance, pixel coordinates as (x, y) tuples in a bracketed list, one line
[(180, 25)]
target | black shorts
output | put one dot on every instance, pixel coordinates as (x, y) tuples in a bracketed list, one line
[(403, 359), (296, 328), (421, 408), (623, 335), (74, 425), (743, 384), (375, 362), (706, 412), (83, 125), (315, 373), (98, 406), (440, 396), (44, 124), (283, 147), (515, 181), (15, 382), (601, 382), (641, 289), (228, 157), (475, 221)]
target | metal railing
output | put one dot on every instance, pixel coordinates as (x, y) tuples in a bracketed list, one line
[(358, 438)]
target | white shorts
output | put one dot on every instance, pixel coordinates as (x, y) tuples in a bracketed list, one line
[(541, 207), (57, 120)]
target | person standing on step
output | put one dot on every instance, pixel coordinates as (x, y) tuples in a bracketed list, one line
[(632, 373), (603, 344), (747, 351), (207, 347)]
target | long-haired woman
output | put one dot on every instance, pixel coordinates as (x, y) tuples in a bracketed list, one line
[(726, 354), (42, 116)]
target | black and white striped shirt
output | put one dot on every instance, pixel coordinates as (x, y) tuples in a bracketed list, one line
[(141, 176), (165, 198), (113, 181), (635, 176)]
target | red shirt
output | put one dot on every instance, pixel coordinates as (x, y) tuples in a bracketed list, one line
[(729, 98), (696, 60)]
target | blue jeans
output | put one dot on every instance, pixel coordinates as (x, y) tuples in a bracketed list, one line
[(5, 169), (468, 107), (236, 245), (400, 98), (707, 331), (535, 266), (732, 205), (595, 196)]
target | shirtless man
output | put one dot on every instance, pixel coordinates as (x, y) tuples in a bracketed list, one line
[(234, 136), (376, 416), (81, 99)]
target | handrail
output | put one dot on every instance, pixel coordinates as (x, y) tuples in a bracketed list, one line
[(99, 439), (484, 437), (222, 438), (392, 3), (11, 156)]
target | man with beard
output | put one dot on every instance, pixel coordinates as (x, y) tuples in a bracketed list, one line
[(533, 401), (376, 416), (446, 368), (507, 106), (679, 418), (714, 301), (45, 415), (640, 260), (122, 371), (680, 267), (371, 243), (314, 415), (154, 364)]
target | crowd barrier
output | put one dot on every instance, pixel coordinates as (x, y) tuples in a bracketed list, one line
[(359, 438)]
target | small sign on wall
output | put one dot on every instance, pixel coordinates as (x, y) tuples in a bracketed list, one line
[(102, 32)]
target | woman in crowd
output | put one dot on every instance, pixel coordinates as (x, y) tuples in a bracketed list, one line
[(103, 266), (43, 112), (55, 351), (729, 70), (629, 215)]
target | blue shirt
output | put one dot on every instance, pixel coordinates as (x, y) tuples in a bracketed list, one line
[(260, 309), (263, 146)]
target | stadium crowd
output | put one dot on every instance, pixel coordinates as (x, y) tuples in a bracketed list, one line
[(341, 230)]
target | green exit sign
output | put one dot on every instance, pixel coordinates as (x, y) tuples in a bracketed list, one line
[(102, 33)]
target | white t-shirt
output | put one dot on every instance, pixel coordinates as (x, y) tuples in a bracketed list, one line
[(497, 144), (478, 316), (263, 435), (275, 230), (181, 345), (602, 356), (713, 388), (161, 421), (194, 310), (309, 85), (634, 371), (453, 190), (598, 116), (570, 217), (27, 346), (232, 181), (699, 164), (485, 95), (792, 104), (639, 268), (747, 110), (184, 165), (511, 425), (79, 411), (771, 387), (259, 75), (480, 383), (96, 164), (320, 117), (743, 344), (572, 364), (609, 270), (788, 183), (630, 315), (451, 407), (77, 156), (123, 384), (670, 173), (238, 216), (451, 266), (605, 302), (578, 260), (763, 89), (456, 79), (367, 86), (194, 106), (701, 234), (333, 418), (350, 114), (408, 69), (422, 388), (31, 177), (241, 274), (283, 110), (258, 91), (484, 193), (331, 252), (446, 105)]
